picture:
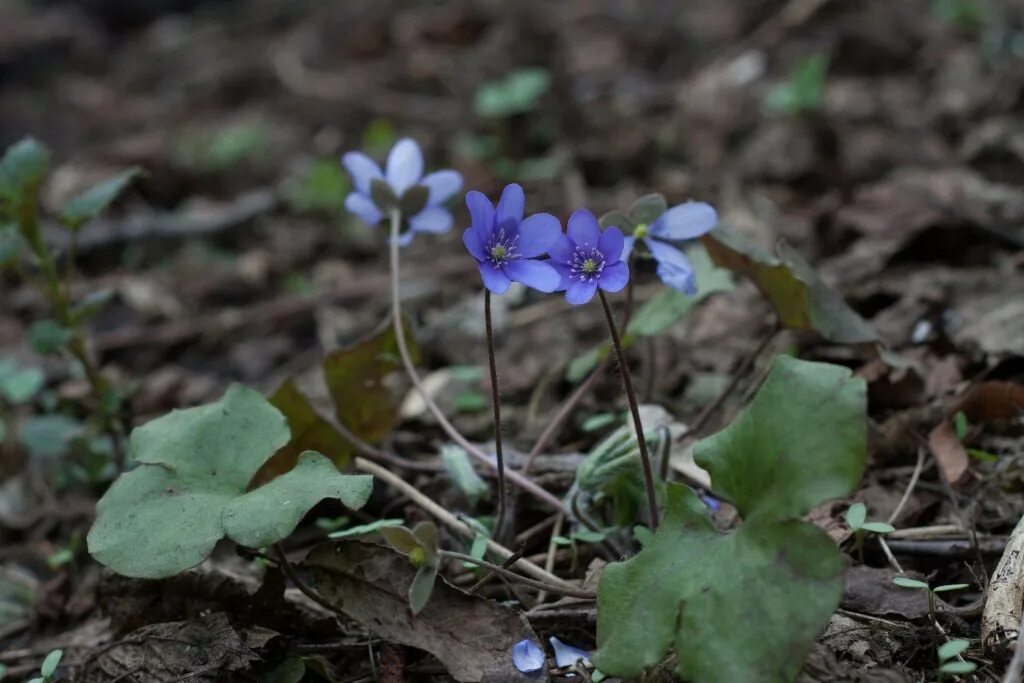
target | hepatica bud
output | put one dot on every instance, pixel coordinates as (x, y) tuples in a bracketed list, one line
[(417, 557)]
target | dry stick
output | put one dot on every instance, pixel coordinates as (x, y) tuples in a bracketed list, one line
[(627, 383), (516, 556), (451, 521), (289, 570), (910, 486), (1013, 670), (499, 515), (557, 589), (549, 561), (403, 350), (734, 382)]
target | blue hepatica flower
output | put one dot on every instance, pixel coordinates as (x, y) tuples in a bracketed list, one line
[(505, 245), (527, 656), (652, 222), (401, 186), (567, 655), (587, 258)]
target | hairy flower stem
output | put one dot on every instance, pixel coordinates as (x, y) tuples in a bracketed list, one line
[(403, 350), (627, 383), (499, 515)]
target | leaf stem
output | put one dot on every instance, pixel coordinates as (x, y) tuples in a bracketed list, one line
[(499, 515), (557, 589), (523, 482), (289, 570), (627, 383)]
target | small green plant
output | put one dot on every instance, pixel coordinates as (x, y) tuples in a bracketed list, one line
[(517, 93), (914, 584), (970, 17), (856, 515), (803, 92), (48, 667), (949, 664)]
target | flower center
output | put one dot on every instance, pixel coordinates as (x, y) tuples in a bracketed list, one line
[(502, 247), (641, 231), (586, 264)]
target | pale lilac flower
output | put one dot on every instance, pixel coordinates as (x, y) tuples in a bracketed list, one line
[(587, 258), (567, 655), (651, 221), (402, 185), (527, 656), (505, 245)]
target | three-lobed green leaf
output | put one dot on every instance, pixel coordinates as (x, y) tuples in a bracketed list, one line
[(190, 488), (756, 598)]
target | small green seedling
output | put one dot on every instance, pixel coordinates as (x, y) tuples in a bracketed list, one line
[(904, 582), (856, 515), (949, 665), (48, 667), (421, 545)]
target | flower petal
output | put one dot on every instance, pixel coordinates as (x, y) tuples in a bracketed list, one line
[(527, 656), (614, 277), (685, 222), (433, 219), (674, 268), (481, 213), (441, 185), (627, 248), (471, 238), (567, 655), (564, 272), (584, 229), (510, 207), (537, 274), (494, 279), (561, 249), (580, 292), (537, 234), (364, 208), (362, 168), (610, 244), (405, 165)]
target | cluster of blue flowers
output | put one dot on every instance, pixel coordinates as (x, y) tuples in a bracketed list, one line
[(509, 246)]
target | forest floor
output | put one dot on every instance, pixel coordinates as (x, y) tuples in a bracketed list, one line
[(883, 140)]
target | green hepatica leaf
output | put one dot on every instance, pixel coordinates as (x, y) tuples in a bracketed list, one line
[(800, 442), (89, 204), (268, 514), (801, 299), (744, 606), (168, 513)]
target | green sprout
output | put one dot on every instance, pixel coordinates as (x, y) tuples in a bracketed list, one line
[(803, 92), (856, 515), (914, 584), (48, 667), (948, 664)]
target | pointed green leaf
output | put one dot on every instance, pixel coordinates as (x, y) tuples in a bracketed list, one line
[(364, 529), (421, 587), (459, 467), (619, 220), (951, 587), (89, 204), (429, 539), (270, 513), (958, 668), (50, 664), (22, 169), (400, 538), (855, 515), (952, 648), (904, 582), (878, 527)]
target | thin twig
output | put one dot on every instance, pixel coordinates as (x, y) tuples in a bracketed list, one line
[(293, 576), (627, 383), (450, 520), (516, 556), (556, 588), (734, 382), (403, 350), (549, 561), (910, 486)]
